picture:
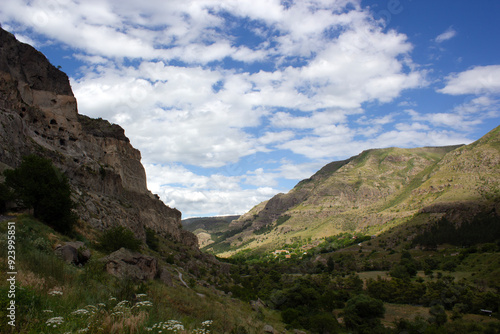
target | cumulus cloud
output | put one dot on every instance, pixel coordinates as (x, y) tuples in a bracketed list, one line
[(477, 80), (205, 84), (214, 195)]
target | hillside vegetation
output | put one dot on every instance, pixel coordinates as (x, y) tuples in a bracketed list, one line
[(371, 193)]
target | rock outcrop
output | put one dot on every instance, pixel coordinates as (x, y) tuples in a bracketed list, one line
[(126, 264), (38, 114), (74, 252)]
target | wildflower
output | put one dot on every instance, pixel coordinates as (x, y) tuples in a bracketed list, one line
[(55, 293), (54, 322), (48, 311), (170, 325), (140, 295), (91, 308), (145, 303), (80, 312)]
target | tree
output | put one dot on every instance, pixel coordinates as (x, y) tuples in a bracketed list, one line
[(40, 186), (362, 314), (151, 239), (118, 237), (438, 315), (323, 323)]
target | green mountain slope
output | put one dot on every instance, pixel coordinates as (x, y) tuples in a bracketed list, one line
[(372, 192)]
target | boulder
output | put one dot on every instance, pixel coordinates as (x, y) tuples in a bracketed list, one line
[(257, 304), (268, 329), (124, 263), (166, 277), (73, 252)]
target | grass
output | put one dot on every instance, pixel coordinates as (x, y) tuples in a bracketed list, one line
[(54, 296), (394, 312)]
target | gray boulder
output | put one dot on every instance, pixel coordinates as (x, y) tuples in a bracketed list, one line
[(73, 252), (124, 263), (268, 329)]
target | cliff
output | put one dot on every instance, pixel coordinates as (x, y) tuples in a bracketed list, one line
[(38, 114)]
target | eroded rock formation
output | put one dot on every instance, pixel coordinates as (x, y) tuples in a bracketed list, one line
[(38, 114)]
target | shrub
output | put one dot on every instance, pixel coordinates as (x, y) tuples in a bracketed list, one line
[(151, 239), (5, 196), (118, 237), (362, 314)]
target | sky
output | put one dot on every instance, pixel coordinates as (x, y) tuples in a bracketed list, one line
[(233, 101)]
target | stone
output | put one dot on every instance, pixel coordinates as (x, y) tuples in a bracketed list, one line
[(298, 331), (268, 329), (126, 264), (257, 304), (73, 252), (166, 277)]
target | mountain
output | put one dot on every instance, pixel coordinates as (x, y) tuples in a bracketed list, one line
[(208, 229), (38, 114), (374, 191)]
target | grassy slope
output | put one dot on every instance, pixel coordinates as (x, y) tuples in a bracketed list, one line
[(41, 272), (380, 189)]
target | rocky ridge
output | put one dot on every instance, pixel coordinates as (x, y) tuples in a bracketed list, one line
[(38, 114)]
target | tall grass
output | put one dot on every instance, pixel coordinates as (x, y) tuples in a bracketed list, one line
[(56, 297)]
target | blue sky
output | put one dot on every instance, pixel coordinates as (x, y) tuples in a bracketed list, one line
[(233, 101)]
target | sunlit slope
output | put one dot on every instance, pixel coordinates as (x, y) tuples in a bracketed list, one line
[(372, 192)]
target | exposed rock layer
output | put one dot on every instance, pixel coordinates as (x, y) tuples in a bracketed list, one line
[(38, 114)]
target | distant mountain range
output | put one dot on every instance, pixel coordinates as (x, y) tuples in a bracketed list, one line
[(370, 193)]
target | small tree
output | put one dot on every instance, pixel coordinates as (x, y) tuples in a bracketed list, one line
[(438, 315), (151, 239), (362, 314), (39, 185), (118, 237)]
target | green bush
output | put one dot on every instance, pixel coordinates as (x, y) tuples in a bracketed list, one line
[(5, 196), (40, 186), (152, 240), (362, 314), (118, 237)]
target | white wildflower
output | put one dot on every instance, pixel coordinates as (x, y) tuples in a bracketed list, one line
[(54, 322), (80, 312), (145, 303), (48, 311), (91, 308), (56, 293), (140, 295)]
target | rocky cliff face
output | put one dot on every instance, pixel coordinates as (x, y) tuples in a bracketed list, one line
[(38, 114)]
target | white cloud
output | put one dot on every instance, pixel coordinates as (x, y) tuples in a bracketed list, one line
[(217, 194), (448, 34), (477, 80), (464, 117), (191, 90)]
